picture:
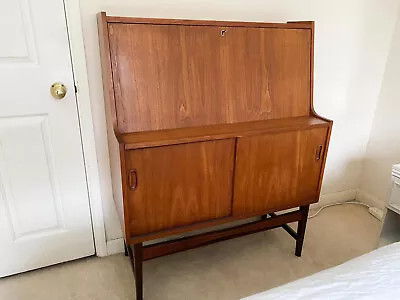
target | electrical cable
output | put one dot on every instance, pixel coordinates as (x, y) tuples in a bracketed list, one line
[(340, 203)]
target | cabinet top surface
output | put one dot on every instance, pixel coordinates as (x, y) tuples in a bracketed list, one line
[(134, 20), (215, 132)]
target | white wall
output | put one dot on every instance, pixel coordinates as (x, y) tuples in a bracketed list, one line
[(384, 145), (351, 44)]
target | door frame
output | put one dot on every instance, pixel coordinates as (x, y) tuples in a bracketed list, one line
[(78, 59)]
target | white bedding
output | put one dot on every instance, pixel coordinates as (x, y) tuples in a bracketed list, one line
[(375, 275)]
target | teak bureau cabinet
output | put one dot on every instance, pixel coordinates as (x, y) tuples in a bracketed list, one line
[(214, 123)]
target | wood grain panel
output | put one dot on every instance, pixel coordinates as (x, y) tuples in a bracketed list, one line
[(166, 76), (180, 185), (267, 73), (278, 171), (175, 76)]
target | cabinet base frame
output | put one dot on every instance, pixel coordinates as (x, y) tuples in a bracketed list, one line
[(139, 253)]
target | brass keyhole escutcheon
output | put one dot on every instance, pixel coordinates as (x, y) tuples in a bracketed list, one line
[(58, 90)]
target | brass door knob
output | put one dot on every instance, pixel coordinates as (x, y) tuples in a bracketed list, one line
[(58, 90)]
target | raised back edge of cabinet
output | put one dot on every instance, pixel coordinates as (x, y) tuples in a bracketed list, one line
[(133, 140)]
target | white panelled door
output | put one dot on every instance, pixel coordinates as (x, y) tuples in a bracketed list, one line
[(44, 207)]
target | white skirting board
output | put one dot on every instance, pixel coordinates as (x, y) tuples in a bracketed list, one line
[(117, 245), (367, 198), (337, 197)]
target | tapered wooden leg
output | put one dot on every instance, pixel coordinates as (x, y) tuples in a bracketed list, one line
[(126, 249), (301, 229), (138, 269)]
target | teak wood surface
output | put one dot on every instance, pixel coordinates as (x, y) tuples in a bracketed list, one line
[(180, 185), (146, 139), (274, 171), (194, 76), (215, 123)]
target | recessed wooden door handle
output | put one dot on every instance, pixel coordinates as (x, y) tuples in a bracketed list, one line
[(132, 178), (319, 153)]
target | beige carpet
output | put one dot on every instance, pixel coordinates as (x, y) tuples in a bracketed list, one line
[(226, 270)]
